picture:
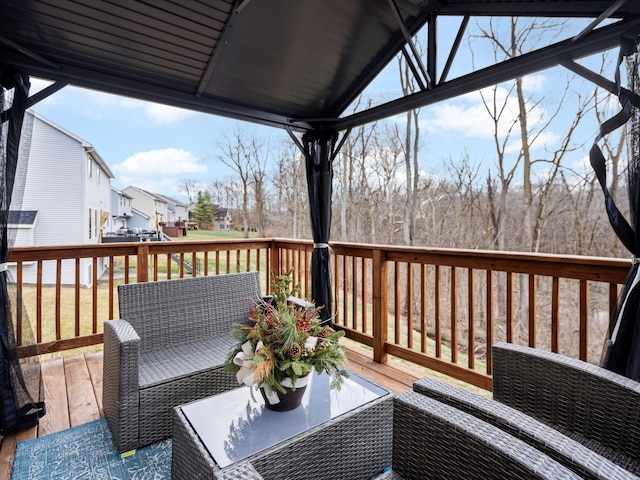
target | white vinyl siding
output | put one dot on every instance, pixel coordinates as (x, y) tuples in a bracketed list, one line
[(61, 186)]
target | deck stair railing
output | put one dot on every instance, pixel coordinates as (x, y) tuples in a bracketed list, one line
[(437, 308)]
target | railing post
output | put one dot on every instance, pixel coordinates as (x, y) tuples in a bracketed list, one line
[(143, 262), (274, 263), (380, 305)]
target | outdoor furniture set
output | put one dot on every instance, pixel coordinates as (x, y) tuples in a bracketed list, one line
[(551, 416)]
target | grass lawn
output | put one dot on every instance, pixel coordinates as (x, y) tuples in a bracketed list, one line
[(197, 235)]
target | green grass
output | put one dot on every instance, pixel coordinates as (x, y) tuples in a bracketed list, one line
[(211, 235)]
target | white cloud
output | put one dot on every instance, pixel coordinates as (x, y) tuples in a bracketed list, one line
[(468, 116), (99, 105), (472, 121), (168, 161), (166, 114), (158, 171), (534, 83)]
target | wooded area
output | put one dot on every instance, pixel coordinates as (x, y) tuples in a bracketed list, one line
[(388, 189)]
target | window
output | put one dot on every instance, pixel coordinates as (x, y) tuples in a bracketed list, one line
[(89, 167), (98, 175), (90, 226)]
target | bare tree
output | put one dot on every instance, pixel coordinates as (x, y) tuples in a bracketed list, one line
[(190, 187), (410, 151), (243, 153), (288, 197)]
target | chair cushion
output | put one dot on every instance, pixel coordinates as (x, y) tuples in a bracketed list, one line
[(179, 361)]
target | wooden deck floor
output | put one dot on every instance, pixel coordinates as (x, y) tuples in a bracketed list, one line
[(73, 394)]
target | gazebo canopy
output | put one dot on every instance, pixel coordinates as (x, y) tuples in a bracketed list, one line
[(290, 63)]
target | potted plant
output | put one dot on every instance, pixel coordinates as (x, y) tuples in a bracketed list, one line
[(281, 345)]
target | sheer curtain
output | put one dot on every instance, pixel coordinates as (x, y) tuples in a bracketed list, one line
[(22, 391)]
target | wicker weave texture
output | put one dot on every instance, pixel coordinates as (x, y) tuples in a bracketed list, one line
[(190, 460), (356, 445), (573, 455), (594, 406), (353, 446), (120, 383), (201, 307), (168, 349), (432, 440)]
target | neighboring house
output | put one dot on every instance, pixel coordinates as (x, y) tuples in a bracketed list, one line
[(66, 198), (221, 222), (139, 221), (152, 206), (177, 211), (222, 219), (120, 211)]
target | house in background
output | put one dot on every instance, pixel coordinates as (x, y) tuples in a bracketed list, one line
[(139, 221), (120, 211), (222, 219), (177, 211), (66, 200), (153, 207)]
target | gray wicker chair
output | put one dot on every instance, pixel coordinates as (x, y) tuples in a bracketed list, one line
[(168, 348), (593, 406), (573, 455), (432, 440)]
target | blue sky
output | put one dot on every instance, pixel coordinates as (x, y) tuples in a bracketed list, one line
[(155, 146)]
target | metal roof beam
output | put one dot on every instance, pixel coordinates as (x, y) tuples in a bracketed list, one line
[(606, 14), (597, 41), (454, 49), (599, 80), (47, 92), (409, 39), (236, 8)]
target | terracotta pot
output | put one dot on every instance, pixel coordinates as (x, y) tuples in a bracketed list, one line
[(285, 401)]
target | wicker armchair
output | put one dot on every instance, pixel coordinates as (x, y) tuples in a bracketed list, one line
[(589, 404), (168, 348)]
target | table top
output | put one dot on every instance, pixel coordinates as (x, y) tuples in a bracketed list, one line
[(233, 425)]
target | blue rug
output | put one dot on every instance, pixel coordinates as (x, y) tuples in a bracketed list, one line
[(87, 452)]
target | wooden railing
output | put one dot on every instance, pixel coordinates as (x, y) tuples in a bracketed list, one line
[(459, 302)]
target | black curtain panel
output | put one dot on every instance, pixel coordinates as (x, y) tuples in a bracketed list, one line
[(318, 154), (21, 390), (621, 352)]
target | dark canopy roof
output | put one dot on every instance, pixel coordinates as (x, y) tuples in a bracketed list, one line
[(289, 63)]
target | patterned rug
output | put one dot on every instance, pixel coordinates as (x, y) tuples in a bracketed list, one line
[(87, 452)]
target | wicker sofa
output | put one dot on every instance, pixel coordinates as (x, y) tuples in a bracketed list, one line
[(168, 348)]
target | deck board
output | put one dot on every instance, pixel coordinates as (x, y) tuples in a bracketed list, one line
[(73, 393), (55, 394), (94, 364), (83, 406)]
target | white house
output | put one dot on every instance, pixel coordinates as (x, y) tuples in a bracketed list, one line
[(120, 211), (150, 205), (177, 211), (66, 197)]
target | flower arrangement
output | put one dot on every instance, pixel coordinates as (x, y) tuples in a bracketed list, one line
[(282, 341)]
